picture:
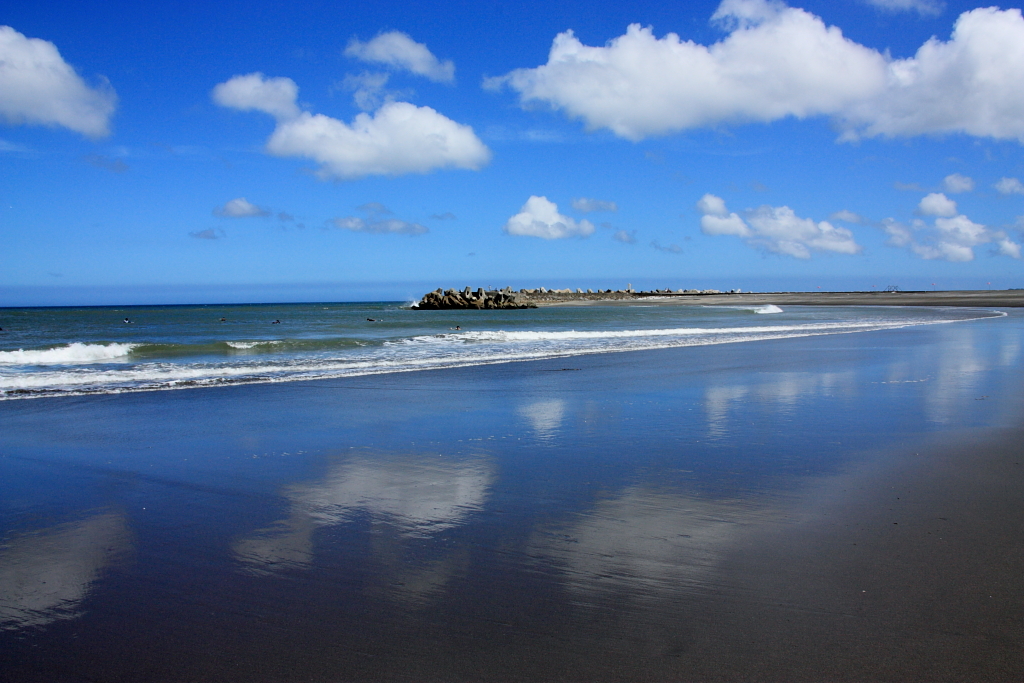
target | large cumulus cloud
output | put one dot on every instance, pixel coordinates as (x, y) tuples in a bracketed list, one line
[(778, 61)]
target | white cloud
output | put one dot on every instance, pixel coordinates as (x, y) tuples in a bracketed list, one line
[(625, 236), (775, 229), (274, 96), (398, 138), (240, 208), (670, 249), (540, 218), (778, 62), (380, 226), (397, 49), (368, 89), (1009, 186), (208, 234), (38, 87), (969, 84), (376, 222), (937, 204), (926, 8), (950, 238), (717, 220), (846, 217), (956, 183), (585, 205)]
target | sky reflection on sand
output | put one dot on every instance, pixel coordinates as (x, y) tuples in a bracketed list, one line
[(412, 496), (645, 543), (47, 574)]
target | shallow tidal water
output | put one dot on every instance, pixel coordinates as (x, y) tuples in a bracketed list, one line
[(842, 507)]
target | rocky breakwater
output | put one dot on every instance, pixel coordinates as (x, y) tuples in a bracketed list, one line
[(450, 299)]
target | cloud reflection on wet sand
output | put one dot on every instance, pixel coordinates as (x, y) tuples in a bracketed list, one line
[(408, 498), (47, 574)]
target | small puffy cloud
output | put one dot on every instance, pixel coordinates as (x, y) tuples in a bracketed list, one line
[(584, 205), (775, 229), (208, 234), (716, 219), (255, 92), (1009, 186), (936, 204), (446, 216), (956, 183), (391, 226), (926, 8), (377, 222), (106, 163), (398, 138), (397, 49), (625, 236), (38, 87), (540, 218), (908, 187), (846, 217), (949, 238), (375, 208), (240, 208), (779, 62), (670, 249)]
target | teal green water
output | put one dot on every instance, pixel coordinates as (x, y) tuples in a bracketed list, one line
[(60, 351)]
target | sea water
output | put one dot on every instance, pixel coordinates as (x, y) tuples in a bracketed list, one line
[(62, 351)]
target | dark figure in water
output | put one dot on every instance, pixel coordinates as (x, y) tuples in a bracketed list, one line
[(126, 320), (276, 322), (223, 319), (372, 320)]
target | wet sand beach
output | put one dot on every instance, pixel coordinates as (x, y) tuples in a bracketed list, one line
[(983, 298), (844, 507)]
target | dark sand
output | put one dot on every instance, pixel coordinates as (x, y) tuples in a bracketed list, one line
[(836, 508)]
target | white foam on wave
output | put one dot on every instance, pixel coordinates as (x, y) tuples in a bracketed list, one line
[(767, 308), (526, 336), (243, 345), (454, 349), (76, 352)]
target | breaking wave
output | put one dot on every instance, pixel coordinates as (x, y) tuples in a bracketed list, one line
[(76, 352)]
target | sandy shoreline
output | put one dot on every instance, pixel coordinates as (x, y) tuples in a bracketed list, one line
[(982, 298), (840, 508)]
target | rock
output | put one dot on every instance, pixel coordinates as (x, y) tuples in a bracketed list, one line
[(450, 299)]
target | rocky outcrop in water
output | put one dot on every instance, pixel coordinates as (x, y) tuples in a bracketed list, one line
[(450, 299)]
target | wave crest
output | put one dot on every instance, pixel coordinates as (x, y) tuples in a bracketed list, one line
[(76, 352)]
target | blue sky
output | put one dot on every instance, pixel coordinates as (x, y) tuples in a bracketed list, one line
[(325, 151)]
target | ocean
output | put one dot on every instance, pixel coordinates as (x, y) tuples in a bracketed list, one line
[(109, 350)]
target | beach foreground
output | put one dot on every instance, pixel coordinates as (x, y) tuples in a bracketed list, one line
[(844, 507)]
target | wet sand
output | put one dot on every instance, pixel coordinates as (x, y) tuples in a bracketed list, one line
[(1011, 298), (842, 508)]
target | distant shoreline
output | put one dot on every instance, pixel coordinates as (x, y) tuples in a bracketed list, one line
[(980, 298)]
